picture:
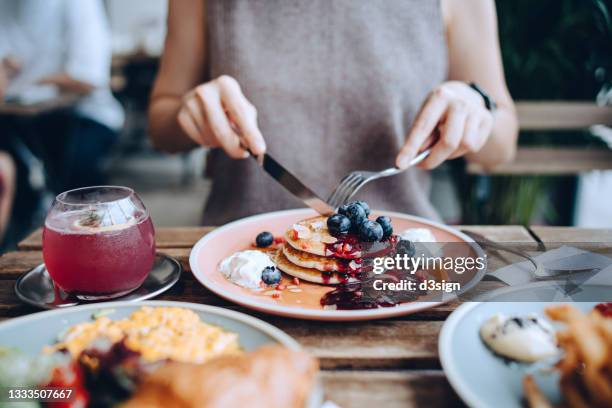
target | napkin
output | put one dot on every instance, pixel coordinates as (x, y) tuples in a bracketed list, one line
[(559, 258)]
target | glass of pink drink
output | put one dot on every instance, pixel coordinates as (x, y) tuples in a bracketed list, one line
[(98, 242)]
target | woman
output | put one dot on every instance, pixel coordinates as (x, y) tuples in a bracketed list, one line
[(327, 87), (7, 191)]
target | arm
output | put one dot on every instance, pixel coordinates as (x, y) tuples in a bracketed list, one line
[(456, 110), (3, 80), (182, 67), (185, 112), (475, 56), (7, 173)]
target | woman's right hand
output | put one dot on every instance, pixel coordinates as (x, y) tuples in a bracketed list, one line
[(217, 114)]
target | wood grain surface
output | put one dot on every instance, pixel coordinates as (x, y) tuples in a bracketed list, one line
[(391, 363)]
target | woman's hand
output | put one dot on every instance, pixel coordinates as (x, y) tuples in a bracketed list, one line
[(217, 114), (461, 118), (9, 68)]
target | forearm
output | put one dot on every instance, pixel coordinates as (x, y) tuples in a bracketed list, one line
[(500, 147), (164, 129), (66, 83), (181, 69)]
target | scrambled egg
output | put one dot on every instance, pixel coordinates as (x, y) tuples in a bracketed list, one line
[(157, 333)]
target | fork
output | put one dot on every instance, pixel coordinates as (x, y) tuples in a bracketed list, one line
[(353, 182), (541, 272)]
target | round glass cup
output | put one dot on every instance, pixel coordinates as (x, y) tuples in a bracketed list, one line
[(98, 242)]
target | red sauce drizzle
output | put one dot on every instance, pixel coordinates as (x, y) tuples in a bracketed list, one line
[(348, 246), (605, 309)]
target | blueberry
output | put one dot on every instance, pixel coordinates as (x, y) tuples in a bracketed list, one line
[(264, 239), (356, 214), (270, 275), (405, 247), (365, 207), (385, 223), (338, 224), (370, 231), (342, 210)]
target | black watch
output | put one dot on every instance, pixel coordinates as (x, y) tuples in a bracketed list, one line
[(488, 100)]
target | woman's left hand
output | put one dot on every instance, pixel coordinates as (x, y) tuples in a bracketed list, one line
[(461, 118)]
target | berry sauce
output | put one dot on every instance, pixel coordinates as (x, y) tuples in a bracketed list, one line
[(360, 294), (605, 309), (348, 246), (350, 296)]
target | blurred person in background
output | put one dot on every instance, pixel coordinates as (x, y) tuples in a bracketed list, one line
[(60, 45), (7, 191), (328, 87)]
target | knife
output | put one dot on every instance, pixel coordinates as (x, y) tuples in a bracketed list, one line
[(292, 184), (285, 178)]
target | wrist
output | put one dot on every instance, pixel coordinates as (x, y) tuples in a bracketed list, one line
[(487, 99)]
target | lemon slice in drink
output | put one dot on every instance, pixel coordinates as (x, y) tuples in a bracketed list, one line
[(92, 222)]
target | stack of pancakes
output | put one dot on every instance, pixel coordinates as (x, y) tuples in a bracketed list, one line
[(311, 253)]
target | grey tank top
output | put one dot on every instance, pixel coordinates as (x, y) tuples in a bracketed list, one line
[(337, 84)]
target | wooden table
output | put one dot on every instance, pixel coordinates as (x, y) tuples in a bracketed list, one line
[(384, 363)]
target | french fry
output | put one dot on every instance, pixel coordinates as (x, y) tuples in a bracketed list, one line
[(533, 395), (599, 388), (586, 367), (572, 394), (592, 348)]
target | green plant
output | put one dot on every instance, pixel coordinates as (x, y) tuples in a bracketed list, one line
[(551, 49)]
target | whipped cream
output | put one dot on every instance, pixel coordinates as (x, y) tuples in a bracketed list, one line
[(522, 338), (244, 268), (417, 235)]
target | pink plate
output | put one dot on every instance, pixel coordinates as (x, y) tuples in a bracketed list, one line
[(239, 235)]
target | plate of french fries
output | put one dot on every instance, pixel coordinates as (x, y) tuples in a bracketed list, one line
[(579, 374)]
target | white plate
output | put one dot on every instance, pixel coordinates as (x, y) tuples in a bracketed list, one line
[(238, 235), (480, 378), (31, 333)]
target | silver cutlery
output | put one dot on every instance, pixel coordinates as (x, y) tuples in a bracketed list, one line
[(354, 181), (541, 272), (286, 179), (293, 184)]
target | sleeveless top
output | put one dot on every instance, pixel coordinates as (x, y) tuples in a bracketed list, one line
[(336, 85)]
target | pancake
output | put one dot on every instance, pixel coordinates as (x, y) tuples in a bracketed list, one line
[(321, 263), (312, 236), (308, 274), (327, 264)]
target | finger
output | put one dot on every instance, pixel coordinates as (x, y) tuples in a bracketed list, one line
[(450, 137), (192, 106), (188, 126), (218, 122), (196, 111), (46, 81), (486, 126), (461, 151), (242, 114), (12, 64), (471, 141), (424, 125)]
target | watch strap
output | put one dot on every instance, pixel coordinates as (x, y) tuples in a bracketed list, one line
[(489, 102)]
